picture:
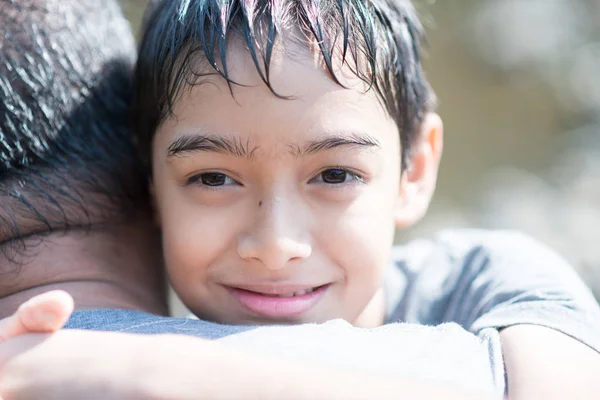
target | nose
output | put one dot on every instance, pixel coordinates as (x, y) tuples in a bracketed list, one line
[(276, 237)]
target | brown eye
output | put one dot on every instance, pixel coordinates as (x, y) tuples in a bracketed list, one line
[(337, 176), (334, 176), (213, 179)]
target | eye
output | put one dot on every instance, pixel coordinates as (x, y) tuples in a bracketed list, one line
[(212, 179), (336, 176)]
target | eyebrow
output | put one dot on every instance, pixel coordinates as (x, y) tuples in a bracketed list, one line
[(337, 140), (191, 143)]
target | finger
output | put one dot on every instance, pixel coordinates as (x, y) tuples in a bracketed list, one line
[(44, 313)]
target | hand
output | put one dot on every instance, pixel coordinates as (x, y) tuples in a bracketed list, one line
[(45, 313)]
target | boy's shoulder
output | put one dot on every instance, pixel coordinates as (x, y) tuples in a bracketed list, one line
[(456, 244), (460, 252), (459, 256), (489, 279)]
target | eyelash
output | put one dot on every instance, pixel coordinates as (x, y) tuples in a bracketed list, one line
[(354, 178), (197, 180)]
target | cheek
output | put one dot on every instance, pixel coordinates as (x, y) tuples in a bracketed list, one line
[(366, 249), (360, 239), (195, 237)]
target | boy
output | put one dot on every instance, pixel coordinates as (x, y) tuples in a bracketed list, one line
[(286, 141)]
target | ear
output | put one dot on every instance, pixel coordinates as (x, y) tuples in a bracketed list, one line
[(419, 179)]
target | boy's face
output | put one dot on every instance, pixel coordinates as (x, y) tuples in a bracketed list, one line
[(277, 210)]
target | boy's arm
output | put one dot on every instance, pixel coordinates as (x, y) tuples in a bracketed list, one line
[(83, 364), (542, 363), (77, 364)]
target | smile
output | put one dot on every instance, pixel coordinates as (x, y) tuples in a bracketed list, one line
[(292, 294), (278, 302)]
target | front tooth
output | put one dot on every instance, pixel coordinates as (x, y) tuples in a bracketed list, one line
[(301, 293)]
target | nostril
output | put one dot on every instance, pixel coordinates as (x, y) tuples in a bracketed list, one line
[(273, 253)]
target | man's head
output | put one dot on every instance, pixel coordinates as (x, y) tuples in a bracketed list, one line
[(66, 158), (286, 139), (73, 199)]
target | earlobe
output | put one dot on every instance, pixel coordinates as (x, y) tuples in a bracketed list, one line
[(418, 181)]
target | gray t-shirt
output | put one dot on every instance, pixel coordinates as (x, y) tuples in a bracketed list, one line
[(447, 298)]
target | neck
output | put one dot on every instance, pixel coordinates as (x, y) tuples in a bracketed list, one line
[(118, 267)]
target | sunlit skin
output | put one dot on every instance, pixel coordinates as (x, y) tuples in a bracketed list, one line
[(258, 195)]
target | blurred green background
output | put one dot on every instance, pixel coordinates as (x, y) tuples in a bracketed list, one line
[(519, 90)]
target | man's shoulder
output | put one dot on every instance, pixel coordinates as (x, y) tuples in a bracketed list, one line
[(133, 321)]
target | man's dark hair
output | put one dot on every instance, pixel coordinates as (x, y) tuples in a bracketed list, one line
[(378, 39), (66, 156)]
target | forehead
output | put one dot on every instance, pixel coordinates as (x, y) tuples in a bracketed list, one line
[(311, 102)]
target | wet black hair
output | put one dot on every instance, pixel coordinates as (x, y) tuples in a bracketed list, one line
[(67, 160), (380, 40)]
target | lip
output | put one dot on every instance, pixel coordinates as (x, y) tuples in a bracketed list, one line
[(261, 300)]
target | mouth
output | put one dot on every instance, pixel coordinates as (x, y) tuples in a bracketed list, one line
[(278, 302)]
